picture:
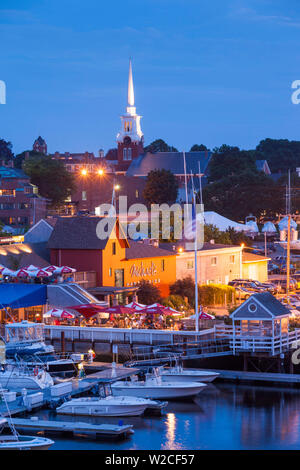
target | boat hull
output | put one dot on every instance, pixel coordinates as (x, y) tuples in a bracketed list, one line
[(25, 443), (94, 410), (188, 377), (158, 392)]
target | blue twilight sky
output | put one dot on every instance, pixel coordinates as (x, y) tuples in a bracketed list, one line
[(205, 71)]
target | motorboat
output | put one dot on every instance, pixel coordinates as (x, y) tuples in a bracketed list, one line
[(25, 341), (16, 378), (15, 441), (25, 338), (154, 387), (179, 374), (108, 406)]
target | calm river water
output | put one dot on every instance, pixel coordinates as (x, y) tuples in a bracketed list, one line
[(224, 416)]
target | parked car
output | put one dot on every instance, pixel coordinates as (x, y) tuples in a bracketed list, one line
[(267, 286), (242, 293), (249, 285), (282, 284)]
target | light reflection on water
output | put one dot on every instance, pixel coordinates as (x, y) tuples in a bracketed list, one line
[(224, 416)]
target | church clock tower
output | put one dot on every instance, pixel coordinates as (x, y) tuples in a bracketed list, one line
[(130, 139)]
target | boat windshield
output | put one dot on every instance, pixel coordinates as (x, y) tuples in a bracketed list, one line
[(24, 331)]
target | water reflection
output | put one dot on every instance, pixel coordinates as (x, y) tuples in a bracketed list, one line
[(225, 416)]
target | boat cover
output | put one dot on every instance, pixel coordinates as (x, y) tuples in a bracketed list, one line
[(22, 295)]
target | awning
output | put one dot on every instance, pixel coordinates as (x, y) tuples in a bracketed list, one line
[(88, 310), (22, 295)]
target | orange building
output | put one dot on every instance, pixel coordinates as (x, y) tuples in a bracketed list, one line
[(117, 261)]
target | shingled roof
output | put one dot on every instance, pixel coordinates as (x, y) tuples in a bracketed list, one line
[(172, 161), (266, 307), (141, 250), (77, 233)]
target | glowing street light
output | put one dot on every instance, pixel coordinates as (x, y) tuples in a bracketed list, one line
[(100, 172), (117, 187), (84, 172)]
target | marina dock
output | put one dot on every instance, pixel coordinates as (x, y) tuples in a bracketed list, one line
[(241, 376), (79, 386), (70, 427)]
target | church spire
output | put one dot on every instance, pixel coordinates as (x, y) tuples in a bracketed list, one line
[(130, 86)]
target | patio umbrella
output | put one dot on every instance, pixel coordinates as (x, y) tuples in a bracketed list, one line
[(136, 305), (51, 268), (155, 311), (121, 310), (58, 313), (65, 270), (40, 273), (7, 272), (206, 316), (31, 267), (20, 273), (155, 305), (88, 310)]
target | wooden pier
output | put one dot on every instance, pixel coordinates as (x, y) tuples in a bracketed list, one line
[(70, 427), (245, 376)]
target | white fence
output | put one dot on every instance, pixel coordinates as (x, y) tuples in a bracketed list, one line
[(239, 341), (123, 335)]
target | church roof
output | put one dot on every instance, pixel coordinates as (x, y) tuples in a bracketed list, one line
[(172, 161)]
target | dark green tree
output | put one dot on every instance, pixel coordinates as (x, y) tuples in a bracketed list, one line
[(6, 150), (51, 177), (185, 288), (159, 145), (161, 187), (148, 293), (20, 158), (237, 196), (281, 154), (229, 161), (199, 148)]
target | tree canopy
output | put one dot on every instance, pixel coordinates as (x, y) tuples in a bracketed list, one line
[(161, 187), (238, 195), (229, 161), (6, 152), (159, 145), (51, 177), (281, 154), (198, 148), (148, 293)]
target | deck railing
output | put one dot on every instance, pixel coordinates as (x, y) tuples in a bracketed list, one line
[(258, 340), (123, 335)]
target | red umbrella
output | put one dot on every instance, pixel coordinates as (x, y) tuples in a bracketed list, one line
[(51, 268), (41, 273), (206, 316), (58, 313), (88, 310), (21, 273), (155, 311), (121, 310), (65, 270)]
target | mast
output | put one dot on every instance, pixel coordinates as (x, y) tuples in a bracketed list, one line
[(185, 178), (194, 217)]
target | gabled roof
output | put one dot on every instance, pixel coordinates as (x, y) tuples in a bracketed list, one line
[(262, 306), (172, 161), (253, 258), (141, 250), (80, 233)]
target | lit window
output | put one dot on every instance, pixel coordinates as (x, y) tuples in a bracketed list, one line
[(162, 264), (137, 193), (190, 265), (83, 195), (231, 259), (213, 261)]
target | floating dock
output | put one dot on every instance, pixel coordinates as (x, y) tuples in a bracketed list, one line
[(71, 427), (245, 376), (79, 386)]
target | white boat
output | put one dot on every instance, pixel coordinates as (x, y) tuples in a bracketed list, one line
[(108, 406), (15, 441), (178, 374), (153, 387), (17, 378)]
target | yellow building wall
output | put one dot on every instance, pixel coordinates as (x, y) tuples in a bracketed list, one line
[(160, 271), (257, 271)]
